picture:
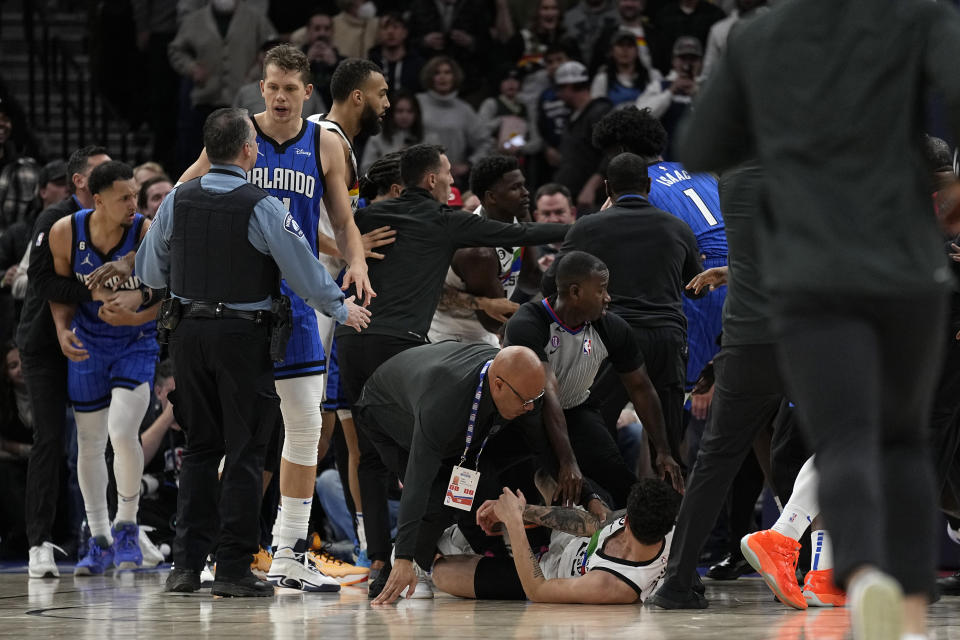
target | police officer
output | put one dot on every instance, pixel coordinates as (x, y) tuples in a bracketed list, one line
[(221, 244)]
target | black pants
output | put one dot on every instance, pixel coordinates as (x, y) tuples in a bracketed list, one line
[(665, 352), (747, 396), (226, 403), (597, 453), (359, 356), (862, 371), (45, 375), (945, 423)]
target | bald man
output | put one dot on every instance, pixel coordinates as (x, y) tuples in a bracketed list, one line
[(428, 412)]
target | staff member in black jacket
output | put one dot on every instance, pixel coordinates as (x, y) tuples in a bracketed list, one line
[(410, 281), (424, 410), (44, 367), (220, 244), (651, 255), (858, 329)]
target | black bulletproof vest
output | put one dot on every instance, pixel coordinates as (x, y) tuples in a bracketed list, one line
[(211, 258)]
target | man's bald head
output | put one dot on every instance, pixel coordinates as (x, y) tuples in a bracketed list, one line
[(517, 380)]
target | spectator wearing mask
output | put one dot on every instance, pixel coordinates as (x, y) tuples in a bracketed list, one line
[(402, 128), (354, 28), (449, 119), (623, 77), (669, 99), (579, 160), (401, 65)]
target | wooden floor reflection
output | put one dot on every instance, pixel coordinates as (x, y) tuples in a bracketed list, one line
[(133, 605)]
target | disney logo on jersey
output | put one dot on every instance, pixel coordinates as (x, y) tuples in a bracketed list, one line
[(282, 179), (302, 152)]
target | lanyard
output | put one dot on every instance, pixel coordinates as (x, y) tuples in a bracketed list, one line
[(472, 422)]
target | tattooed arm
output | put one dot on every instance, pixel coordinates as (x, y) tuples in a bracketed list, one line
[(595, 587), (497, 308), (576, 522)]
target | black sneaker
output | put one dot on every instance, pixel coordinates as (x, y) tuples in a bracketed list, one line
[(949, 586), (246, 587), (669, 599), (182, 581), (697, 585), (378, 583), (731, 567)]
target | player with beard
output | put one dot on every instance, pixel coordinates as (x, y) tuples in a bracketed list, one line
[(359, 93), (303, 166)]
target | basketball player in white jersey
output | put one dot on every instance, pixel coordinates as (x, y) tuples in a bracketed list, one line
[(617, 561), (285, 86), (359, 92)]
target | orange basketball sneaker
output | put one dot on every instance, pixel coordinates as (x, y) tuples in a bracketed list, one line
[(774, 556), (819, 590)]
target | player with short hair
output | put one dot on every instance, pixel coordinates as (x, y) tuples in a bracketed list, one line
[(112, 350)]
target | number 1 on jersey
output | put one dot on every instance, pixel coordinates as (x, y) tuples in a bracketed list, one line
[(697, 200)]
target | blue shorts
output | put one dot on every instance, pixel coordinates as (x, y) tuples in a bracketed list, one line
[(89, 383), (704, 324), (304, 350), (335, 398)]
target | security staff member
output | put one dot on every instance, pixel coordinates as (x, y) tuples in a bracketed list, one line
[(220, 245), (651, 255), (423, 410)]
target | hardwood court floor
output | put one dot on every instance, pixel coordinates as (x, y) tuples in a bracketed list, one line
[(132, 605)]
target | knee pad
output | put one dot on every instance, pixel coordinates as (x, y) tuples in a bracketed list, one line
[(300, 400)]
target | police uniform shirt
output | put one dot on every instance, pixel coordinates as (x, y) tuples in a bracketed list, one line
[(574, 354), (272, 231)]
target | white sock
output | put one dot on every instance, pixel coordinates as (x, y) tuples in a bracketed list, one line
[(294, 521), (127, 409), (802, 506), (361, 533), (92, 469), (275, 531), (821, 557)]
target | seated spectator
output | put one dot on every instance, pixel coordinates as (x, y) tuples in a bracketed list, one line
[(458, 29), (402, 128), (552, 203), (633, 545), (250, 95), (151, 194), (623, 77), (147, 170), (16, 421), (630, 13), (321, 53), (401, 65), (529, 44), (579, 163), (452, 122), (508, 120), (586, 21), (682, 18), (354, 28), (669, 99)]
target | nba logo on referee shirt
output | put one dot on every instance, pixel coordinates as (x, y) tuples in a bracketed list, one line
[(587, 346)]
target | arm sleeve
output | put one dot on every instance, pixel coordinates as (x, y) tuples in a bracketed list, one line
[(274, 232), (715, 135), (525, 329), (153, 257), (46, 282), (625, 354), (469, 230), (422, 467)]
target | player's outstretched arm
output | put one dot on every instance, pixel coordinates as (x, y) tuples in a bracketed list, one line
[(593, 588)]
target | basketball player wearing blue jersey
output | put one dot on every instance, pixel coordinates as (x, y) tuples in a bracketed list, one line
[(112, 351), (303, 166), (693, 198)]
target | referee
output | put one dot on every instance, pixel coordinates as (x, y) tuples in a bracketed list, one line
[(220, 245)]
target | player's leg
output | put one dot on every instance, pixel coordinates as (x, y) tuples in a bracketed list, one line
[(597, 453), (89, 392), (127, 408)]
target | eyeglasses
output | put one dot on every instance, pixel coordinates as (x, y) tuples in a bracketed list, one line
[(526, 403)]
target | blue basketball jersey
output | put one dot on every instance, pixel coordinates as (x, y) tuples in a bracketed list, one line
[(84, 259), (291, 172), (694, 199)]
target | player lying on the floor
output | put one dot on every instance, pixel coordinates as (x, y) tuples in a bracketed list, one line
[(590, 561)]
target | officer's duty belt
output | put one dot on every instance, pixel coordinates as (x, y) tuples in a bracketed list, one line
[(219, 311)]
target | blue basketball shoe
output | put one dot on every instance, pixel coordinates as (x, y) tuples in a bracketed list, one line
[(98, 559), (126, 546)]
